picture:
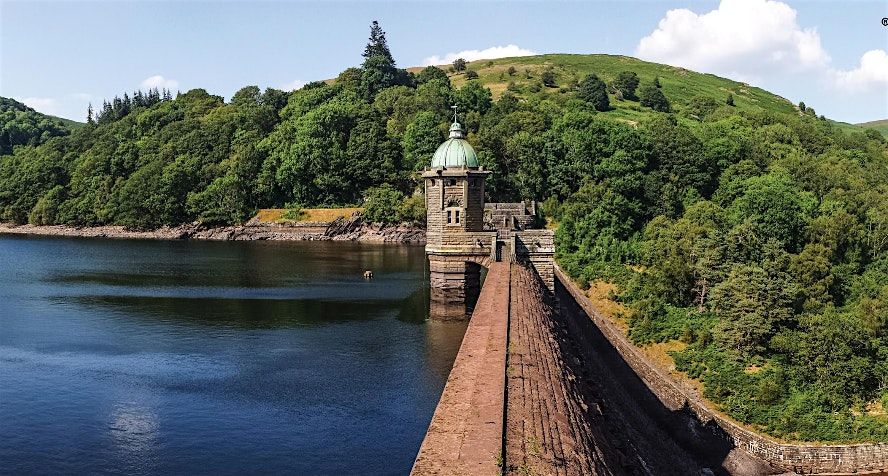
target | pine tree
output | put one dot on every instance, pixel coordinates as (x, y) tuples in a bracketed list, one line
[(377, 45), (730, 100), (107, 113), (89, 115), (378, 71)]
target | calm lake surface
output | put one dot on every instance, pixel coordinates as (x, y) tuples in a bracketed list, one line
[(154, 357)]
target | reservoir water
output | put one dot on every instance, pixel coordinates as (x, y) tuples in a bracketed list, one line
[(178, 357)]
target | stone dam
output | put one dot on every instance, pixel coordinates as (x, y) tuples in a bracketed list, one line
[(544, 385)]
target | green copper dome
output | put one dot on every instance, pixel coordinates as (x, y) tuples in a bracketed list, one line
[(455, 151)]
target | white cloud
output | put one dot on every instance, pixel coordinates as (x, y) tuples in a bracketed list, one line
[(872, 73), (44, 105), (159, 82), (472, 55), (293, 85), (741, 38)]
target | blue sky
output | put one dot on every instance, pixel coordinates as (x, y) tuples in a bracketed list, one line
[(59, 56)]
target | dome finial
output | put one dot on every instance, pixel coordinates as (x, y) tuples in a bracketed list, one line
[(456, 130)]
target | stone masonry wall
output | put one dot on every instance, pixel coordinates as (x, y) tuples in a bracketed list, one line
[(479, 242), (538, 248), (799, 458)]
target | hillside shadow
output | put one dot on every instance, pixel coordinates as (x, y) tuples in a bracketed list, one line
[(650, 437)]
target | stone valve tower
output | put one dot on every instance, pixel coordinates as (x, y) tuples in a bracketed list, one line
[(461, 238)]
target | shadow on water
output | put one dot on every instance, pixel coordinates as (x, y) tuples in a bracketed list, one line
[(220, 358), (648, 436), (242, 313)]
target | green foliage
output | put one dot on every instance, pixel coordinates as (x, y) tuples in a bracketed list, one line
[(548, 78), (431, 73), (293, 213), (21, 125), (421, 139), (386, 205), (651, 95), (381, 204), (760, 240), (459, 64), (593, 90), (471, 74), (776, 208), (626, 83), (378, 71), (700, 107)]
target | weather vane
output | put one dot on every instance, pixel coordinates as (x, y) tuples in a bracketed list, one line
[(454, 111)]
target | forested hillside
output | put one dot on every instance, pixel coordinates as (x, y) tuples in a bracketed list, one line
[(22, 125), (748, 228)]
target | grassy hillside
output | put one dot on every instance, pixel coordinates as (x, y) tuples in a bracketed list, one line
[(678, 84), (881, 126)]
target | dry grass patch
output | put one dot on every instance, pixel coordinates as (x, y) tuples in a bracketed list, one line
[(276, 215), (327, 214), (270, 215), (600, 294)]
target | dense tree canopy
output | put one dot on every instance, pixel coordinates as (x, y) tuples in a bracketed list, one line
[(21, 125)]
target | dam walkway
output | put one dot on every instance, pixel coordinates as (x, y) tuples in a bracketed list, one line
[(510, 404), (536, 389)]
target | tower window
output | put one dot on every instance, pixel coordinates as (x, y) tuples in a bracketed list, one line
[(453, 181), (433, 182), (453, 216)]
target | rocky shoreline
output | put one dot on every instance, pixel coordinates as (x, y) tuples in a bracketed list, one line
[(350, 229)]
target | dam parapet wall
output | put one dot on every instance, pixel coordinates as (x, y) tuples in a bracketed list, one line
[(704, 422)]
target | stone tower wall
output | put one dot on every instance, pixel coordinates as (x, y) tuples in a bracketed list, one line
[(463, 189)]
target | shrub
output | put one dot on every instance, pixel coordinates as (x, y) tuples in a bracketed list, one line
[(594, 91), (381, 204), (650, 95), (549, 78), (626, 83)]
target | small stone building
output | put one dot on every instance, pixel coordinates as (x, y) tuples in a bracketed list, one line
[(464, 234)]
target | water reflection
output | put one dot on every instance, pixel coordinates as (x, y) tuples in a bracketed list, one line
[(184, 357), (134, 429)]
